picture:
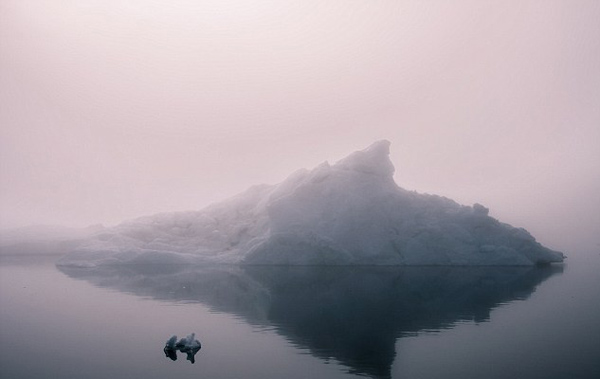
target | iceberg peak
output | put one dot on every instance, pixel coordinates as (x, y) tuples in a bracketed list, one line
[(375, 159)]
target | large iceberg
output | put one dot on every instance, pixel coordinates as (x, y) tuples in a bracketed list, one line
[(349, 213)]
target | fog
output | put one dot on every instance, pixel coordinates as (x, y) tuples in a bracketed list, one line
[(111, 110)]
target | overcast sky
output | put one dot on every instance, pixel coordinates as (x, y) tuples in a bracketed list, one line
[(114, 109)]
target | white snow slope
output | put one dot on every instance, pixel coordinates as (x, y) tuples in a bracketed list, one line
[(350, 213)]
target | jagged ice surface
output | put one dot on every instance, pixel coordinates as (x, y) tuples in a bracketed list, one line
[(348, 213)]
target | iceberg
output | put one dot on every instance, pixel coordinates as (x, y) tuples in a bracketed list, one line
[(348, 213)]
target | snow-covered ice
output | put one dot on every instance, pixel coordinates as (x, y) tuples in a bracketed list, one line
[(349, 213)]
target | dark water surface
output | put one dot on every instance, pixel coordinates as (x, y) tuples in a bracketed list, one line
[(302, 322)]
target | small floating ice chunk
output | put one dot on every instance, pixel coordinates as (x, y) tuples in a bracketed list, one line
[(188, 345)]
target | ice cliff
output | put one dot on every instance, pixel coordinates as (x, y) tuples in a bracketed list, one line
[(349, 213)]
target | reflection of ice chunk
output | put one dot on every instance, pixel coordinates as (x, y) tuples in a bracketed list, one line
[(351, 212), (188, 345)]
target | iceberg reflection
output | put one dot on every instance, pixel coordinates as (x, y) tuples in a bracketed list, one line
[(351, 314)]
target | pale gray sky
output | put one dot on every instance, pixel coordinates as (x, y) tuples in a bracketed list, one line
[(115, 109)]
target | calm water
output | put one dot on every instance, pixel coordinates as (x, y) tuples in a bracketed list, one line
[(308, 322)]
